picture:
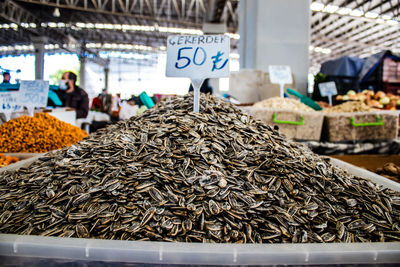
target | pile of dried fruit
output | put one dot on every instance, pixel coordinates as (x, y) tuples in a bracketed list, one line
[(283, 103), (40, 133), (7, 160), (391, 171), (375, 100), (352, 106), (214, 176)]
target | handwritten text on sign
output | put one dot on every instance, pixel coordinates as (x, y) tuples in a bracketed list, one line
[(280, 74), (34, 93), (9, 102), (198, 57), (327, 88)]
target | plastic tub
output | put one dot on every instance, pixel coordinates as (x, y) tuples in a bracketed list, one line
[(29, 250), (53, 248), (298, 125), (355, 126)]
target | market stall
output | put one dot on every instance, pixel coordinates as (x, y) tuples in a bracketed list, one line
[(170, 175), (262, 172)]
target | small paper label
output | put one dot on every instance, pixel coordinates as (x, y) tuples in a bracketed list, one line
[(9, 102), (198, 56), (280, 74), (34, 93), (327, 88)]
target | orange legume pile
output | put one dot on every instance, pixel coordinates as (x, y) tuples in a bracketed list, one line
[(38, 134), (6, 160)]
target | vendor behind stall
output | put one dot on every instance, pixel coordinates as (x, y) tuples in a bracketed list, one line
[(6, 77), (73, 96)]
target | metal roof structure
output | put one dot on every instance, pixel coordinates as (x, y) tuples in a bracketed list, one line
[(353, 28), (338, 27)]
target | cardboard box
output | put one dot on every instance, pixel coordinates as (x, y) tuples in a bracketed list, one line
[(249, 86), (243, 85), (268, 89)]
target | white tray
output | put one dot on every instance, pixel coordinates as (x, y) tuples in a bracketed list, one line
[(36, 249)]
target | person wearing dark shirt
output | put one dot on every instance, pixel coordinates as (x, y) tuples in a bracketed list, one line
[(73, 96), (6, 77), (205, 87)]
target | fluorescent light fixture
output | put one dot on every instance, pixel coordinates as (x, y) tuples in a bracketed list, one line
[(108, 26), (56, 13), (371, 15), (365, 55), (392, 22), (311, 48), (235, 36), (326, 51), (162, 48), (331, 8), (344, 11), (386, 17), (315, 6), (356, 13), (234, 55), (180, 30), (380, 21), (318, 49)]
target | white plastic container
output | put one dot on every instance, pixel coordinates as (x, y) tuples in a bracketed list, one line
[(28, 250), (74, 249)]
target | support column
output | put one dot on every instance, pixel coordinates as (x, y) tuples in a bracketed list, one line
[(106, 73), (38, 44), (82, 72), (214, 28), (275, 33)]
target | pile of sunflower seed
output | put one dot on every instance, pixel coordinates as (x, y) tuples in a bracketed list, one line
[(213, 176)]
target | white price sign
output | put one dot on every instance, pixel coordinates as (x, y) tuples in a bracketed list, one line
[(9, 102), (280, 74), (34, 93), (328, 88), (198, 56)]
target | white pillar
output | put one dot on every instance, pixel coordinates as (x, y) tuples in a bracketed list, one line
[(106, 74), (82, 72), (38, 43), (214, 28), (275, 33)]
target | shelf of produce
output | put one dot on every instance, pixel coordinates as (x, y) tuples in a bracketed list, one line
[(18, 249)]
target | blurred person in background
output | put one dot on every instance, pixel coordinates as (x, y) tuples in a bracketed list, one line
[(205, 88), (106, 102), (6, 77), (73, 96)]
